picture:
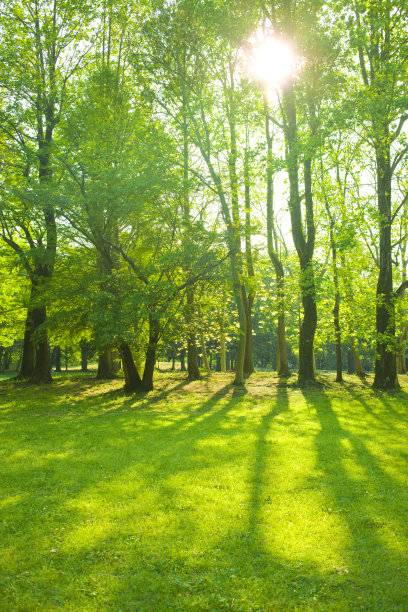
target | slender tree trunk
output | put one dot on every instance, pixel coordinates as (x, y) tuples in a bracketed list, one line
[(385, 362), (336, 311), (248, 296), (28, 352), (133, 382), (204, 353), (223, 356), (147, 380), (249, 358), (57, 358), (192, 361), (182, 356), (7, 358), (84, 359)]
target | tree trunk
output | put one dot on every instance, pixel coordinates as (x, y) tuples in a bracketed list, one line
[(133, 382), (282, 356), (7, 358), (42, 366), (357, 362), (336, 310), (28, 354), (105, 365), (337, 332), (249, 357), (402, 342), (182, 356), (192, 361), (385, 362), (303, 233), (307, 328), (84, 359), (147, 381), (57, 356), (204, 353), (223, 355)]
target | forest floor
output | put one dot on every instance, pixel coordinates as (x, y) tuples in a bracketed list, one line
[(202, 496)]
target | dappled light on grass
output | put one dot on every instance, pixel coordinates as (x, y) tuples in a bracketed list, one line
[(203, 497)]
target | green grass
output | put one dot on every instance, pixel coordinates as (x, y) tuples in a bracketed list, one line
[(201, 496)]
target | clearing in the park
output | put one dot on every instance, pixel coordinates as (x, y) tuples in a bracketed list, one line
[(203, 496)]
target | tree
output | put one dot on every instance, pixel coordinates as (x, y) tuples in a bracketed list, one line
[(39, 56)]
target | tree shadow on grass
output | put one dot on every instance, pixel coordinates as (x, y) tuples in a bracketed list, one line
[(170, 567), (371, 503)]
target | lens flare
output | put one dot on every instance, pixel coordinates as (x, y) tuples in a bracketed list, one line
[(272, 61)]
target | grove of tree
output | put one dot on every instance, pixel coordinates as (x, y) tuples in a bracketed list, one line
[(162, 197)]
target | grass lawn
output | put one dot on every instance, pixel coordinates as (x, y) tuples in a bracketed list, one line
[(201, 496)]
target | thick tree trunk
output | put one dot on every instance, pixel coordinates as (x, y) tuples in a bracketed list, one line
[(105, 371), (42, 366), (306, 334), (133, 382)]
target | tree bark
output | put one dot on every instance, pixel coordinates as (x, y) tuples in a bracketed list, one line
[(57, 355), (182, 357), (385, 363), (84, 359), (133, 382), (249, 357), (154, 333), (304, 243), (204, 353), (105, 365), (192, 361), (42, 366), (28, 354)]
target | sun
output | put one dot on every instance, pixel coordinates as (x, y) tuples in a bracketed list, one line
[(272, 61)]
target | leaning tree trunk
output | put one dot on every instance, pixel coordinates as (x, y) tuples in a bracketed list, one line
[(133, 382), (154, 333)]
